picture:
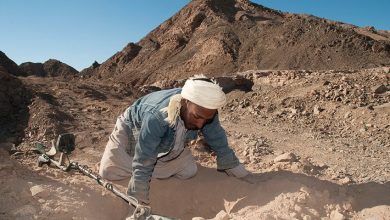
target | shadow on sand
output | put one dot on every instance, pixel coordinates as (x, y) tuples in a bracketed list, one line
[(210, 192)]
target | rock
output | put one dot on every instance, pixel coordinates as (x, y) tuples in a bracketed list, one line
[(336, 215), (39, 191), (286, 157), (380, 89), (222, 215), (345, 180), (252, 143), (347, 115), (386, 69), (362, 130), (305, 189), (317, 110)]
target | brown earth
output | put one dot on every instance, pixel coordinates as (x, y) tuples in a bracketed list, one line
[(317, 140)]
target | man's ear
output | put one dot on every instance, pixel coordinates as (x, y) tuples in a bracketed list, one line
[(184, 102)]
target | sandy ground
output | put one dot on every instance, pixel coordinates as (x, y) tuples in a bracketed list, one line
[(317, 143)]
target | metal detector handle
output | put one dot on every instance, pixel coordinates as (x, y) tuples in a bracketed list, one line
[(88, 172)]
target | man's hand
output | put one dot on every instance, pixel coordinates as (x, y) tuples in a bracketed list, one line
[(250, 178), (141, 212), (238, 171)]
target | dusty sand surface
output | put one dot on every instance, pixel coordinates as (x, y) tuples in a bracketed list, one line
[(316, 136), (317, 142)]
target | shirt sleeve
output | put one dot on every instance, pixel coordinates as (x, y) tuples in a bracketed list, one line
[(215, 136), (145, 156)]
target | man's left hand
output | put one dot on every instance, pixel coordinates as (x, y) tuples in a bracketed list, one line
[(239, 171)]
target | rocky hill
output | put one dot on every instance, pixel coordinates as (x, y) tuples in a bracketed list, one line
[(9, 66), (51, 67), (222, 37)]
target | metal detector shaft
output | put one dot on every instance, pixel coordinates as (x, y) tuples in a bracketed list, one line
[(88, 172)]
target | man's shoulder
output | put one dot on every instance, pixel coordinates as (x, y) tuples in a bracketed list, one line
[(166, 92), (151, 105)]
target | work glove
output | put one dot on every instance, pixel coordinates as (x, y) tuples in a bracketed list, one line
[(242, 174), (141, 212), (238, 171)]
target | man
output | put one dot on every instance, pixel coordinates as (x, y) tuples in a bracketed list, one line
[(149, 137)]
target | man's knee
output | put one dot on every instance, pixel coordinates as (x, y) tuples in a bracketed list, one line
[(113, 173), (188, 172)]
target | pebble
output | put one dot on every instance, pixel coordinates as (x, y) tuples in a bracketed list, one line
[(345, 180), (39, 191), (317, 110), (380, 89), (222, 215), (347, 115), (286, 157), (336, 215)]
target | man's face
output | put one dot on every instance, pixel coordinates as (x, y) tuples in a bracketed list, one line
[(195, 116)]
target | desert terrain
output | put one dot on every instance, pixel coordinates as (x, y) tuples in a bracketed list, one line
[(308, 113)]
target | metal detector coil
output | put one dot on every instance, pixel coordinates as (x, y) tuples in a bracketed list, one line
[(65, 143)]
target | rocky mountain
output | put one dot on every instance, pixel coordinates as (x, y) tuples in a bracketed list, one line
[(9, 65), (221, 37), (51, 67), (31, 68)]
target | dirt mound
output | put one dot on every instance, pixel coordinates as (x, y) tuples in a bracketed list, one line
[(51, 68), (221, 37), (10, 66), (14, 99)]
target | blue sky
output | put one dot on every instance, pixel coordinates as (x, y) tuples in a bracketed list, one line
[(78, 32)]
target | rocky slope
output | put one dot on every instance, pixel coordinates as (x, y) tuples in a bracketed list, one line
[(317, 142), (14, 98), (10, 66), (50, 68), (219, 37)]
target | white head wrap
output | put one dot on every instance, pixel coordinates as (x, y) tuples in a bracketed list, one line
[(206, 94)]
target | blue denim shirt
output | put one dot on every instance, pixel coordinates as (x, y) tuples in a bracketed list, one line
[(156, 138)]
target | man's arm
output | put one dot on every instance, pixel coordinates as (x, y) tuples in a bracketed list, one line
[(145, 156), (215, 136)]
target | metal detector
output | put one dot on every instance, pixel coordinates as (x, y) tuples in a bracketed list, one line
[(65, 144)]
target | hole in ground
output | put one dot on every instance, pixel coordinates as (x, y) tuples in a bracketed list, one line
[(283, 194)]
